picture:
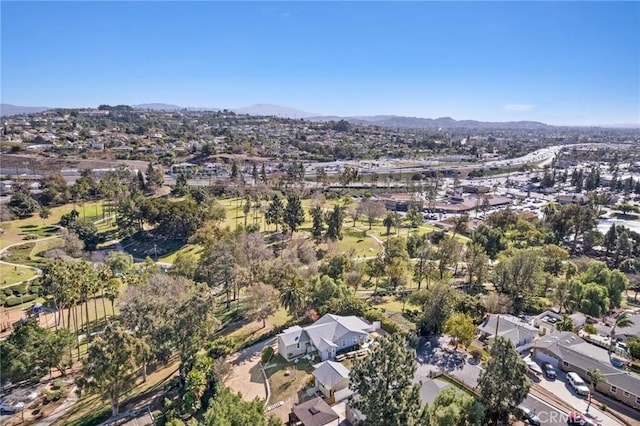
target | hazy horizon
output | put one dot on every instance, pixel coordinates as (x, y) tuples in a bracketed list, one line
[(564, 63)]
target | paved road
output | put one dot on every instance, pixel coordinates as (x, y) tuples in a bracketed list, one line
[(548, 414), (434, 355)]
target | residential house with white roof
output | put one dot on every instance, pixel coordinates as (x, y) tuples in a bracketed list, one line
[(327, 336)]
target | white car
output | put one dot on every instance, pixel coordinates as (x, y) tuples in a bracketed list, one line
[(6, 407), (577, 384)]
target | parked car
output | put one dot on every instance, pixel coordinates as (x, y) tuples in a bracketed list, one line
[(529, 415), (580, 419), (6, 407), (577, 384), (549, 371)]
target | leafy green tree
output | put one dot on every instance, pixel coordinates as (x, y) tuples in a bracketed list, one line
[(112, 363), (54, 190), (23, 205), (437, 305), (461, 328), (594, 300), (275, 211), (44, 213), (154, 178), (32, 351), (503, 383), (336, 266), (229, 409), (383, 382), (293, 213), (185, 265), (119, 262), (87, 232), (414, 217), (323, 288), (633, 344), (452, 407), (491, 239)]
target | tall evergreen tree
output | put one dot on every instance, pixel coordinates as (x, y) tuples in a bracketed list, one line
[(383, 382), (503, 383), (275, 211), (293, 214), (318, 223)]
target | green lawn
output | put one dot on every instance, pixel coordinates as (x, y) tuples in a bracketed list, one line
[(285, 385), (191, 249), (15, 231), (14, 274)]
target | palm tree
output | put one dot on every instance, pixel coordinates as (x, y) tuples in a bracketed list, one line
[(595, 377), (292, 296), (623, 320)]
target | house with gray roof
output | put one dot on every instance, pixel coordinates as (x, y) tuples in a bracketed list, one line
[(326, 337), (569, 352), (512, 328), (330, 377), (314, 412)]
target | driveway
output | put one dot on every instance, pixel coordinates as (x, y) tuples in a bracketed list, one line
[(246, 376), (434, 355), (563, 390)]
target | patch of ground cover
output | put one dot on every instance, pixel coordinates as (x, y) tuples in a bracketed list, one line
[(287, 378)]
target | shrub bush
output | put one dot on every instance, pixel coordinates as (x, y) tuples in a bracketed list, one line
[(267, 354), (35, 289), (19, 289), (15, 301), (386, 324)]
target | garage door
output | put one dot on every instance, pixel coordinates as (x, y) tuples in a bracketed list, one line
[(542, 357)]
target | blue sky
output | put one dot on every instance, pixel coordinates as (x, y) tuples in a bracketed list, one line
[(556, 62)]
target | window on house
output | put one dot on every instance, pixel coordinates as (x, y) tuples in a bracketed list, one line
[(626, 394), (614, 389), (298, 345), (344, 343), (637, 399), (355, 340), (565, 363)]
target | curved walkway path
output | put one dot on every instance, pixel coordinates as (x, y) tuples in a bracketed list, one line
[(38, 270)]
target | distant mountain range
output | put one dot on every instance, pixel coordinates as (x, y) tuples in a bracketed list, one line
[(7, 110), (389, 121), (395, 121)]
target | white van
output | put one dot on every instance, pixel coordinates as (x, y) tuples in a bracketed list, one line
[(577, 384)]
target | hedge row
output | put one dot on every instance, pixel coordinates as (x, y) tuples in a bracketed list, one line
[(14, 301)]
